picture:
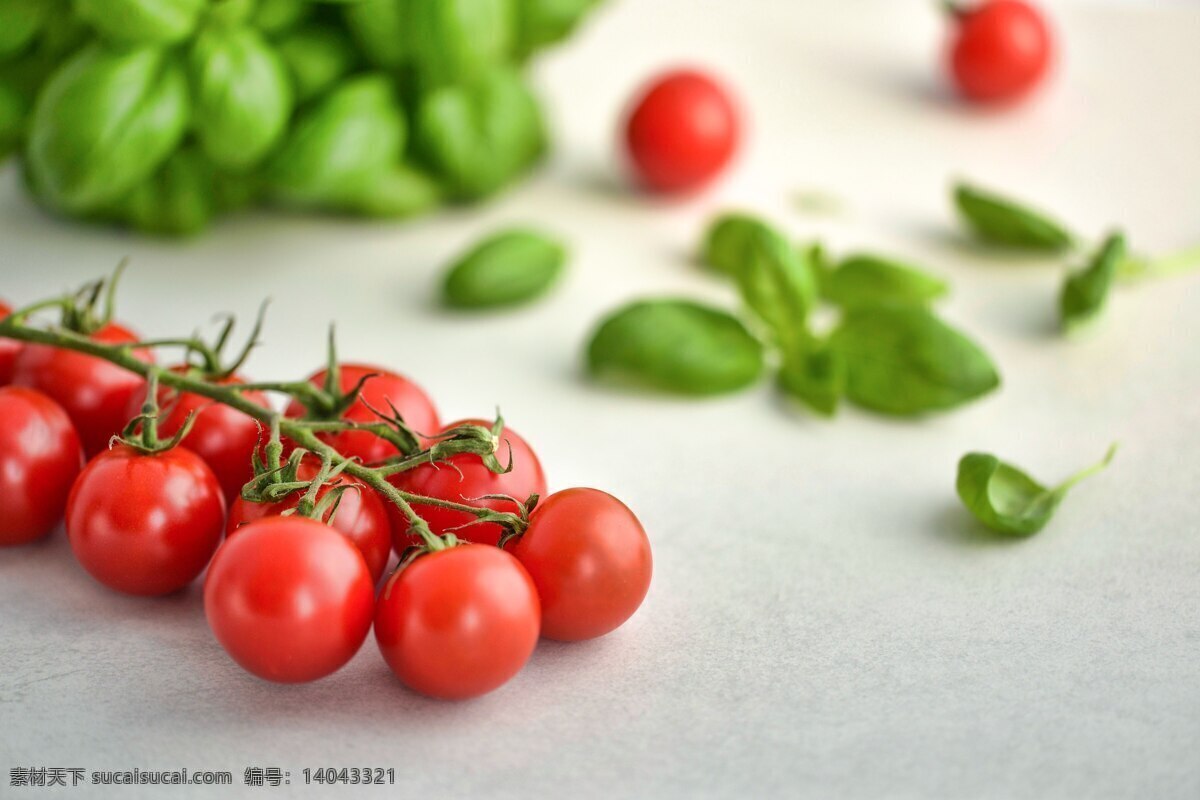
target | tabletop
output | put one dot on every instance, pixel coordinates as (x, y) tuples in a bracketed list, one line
[(825, 620)]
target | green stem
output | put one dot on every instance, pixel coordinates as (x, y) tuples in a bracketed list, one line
[(1084, 474), (1177, 263)]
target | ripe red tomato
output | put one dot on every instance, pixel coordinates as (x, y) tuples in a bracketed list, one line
[(590, 560), (289, 598), (465, 478), (999, 50), (40, 456), (94, 393), (682, 131), (145, 524), (458, 623), (8, 350), (409, 399), (224, 437), (361, 517)]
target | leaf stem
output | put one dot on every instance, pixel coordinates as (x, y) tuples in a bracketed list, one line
[(1087, 472)]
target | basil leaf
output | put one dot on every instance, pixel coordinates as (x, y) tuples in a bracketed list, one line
[(1085, 292), (13, 111), (274, 17), (393, 191), (1006, 499), (815, 375), (20, 22), (178, 200), (903, 361), (727, 242), (381, 29), (675, 346), (103, 124), (779, 284), (242, 96), (544, 22), (479, 136), (507, 268), (1000, 220), (866, 280), (142, 21), (458, 41), (317, 57)]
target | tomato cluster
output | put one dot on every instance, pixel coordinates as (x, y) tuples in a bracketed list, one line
[(291, 593)]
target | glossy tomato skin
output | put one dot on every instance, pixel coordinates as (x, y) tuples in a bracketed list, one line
[(1000, 50), (409, 399), (94, 393), (289, 598), (361, 517), (40, 456), (590, 559), (8, 350), (464, 478), (224, 437), (458, 623), (145, 524), (683, 130)]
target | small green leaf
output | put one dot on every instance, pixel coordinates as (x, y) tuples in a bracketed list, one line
[(865, 280), (381, 29), (905, 361), (1006, 499), (727, 241), (1085, 292), (815, 375), (273, 17), (458, 41), (779, 284), (20, 23), (317, 57), (543, 22), (178, 200), (1000, 220), (675, 346), (142, 21), (508, 268)]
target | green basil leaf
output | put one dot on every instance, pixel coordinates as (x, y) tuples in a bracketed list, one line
[(1000, 220), (382, 29), (242, 96), (728, 239), (779, 284), (814, 374), (457, 41), (393, 192), (544, 22), (902, 360), (866, 280), (675, 346), (478, 137), (507, 268), (20, 22), (13, 111), (1085, 292), (104, 123), (317, 57), (178, 200), (274, 17), (340, 147), (1006, 499), (142, 21)]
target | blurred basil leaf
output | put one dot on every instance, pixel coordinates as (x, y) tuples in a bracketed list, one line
[(544, 22), (458, 41), (382, 29), (675, 346), (395, 191), (1000, 220), (317, 57), (779, 285), (274, 17), (727, 241), (1085, 293), (142, 21), (815, 374), (868, 280), (178, 200), (507, 268), (20, 22)]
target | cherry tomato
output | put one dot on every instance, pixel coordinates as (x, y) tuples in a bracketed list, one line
[(409, 399), (361, 517), (590, 560), (224, 437), (289, 598), (466, 479), (458, 623), (999, 50), (8, 350), (682, 132), (94, 393), (40, 456), (145, 523)]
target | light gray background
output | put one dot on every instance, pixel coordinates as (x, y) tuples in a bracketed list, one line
[(825, 620)]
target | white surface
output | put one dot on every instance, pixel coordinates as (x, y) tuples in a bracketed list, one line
[(825, 620)]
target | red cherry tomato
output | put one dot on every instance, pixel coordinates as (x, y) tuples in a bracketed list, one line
[(465, 478), (289, 598), (409, 399), (40, 456), (682, 132), (590, 560), (94, 393), (458, 623), (8, 350), (224, 437), (1000, 50), (361, 517), (145, 524)]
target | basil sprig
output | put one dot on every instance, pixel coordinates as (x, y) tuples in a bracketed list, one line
[(865, 280), (1085, 293), (1006, 499), (997, 219), (507, 268)]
